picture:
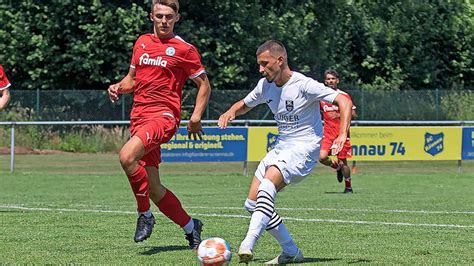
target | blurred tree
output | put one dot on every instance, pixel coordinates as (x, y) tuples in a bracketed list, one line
[(68, 44), (375, 45)]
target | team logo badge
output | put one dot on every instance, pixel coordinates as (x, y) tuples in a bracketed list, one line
[(434, 143), (289, 105), (271, 141), (170, 51)]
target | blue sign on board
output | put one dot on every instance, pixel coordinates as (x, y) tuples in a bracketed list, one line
[(467, 150), (217, 145)]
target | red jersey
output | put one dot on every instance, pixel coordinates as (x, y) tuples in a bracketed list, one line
[(332, 125), (162, 67), (4, 83)]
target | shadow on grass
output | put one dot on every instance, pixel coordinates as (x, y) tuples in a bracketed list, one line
[(309, 260), (359, 261), (337, 192), (155, 250), (306, 260)]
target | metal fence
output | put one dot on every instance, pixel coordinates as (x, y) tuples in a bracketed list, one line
[(245, 123), (93, 105)]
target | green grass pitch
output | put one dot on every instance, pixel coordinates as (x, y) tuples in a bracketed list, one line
[(79, 209)]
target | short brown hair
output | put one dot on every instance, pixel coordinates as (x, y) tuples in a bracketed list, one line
[(174, 4), (275, 47), (331, 72)]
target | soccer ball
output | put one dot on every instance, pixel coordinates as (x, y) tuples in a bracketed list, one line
[(214, 251)]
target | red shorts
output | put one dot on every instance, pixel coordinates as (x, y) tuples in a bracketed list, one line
[(153, 132), (346, 151)]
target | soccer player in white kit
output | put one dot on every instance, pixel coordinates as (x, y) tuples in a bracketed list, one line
[(294, 100)]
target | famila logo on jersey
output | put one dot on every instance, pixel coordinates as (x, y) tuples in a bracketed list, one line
[(329, 109), (146, 60)]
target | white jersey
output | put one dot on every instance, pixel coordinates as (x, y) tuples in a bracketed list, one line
[(295, 105)]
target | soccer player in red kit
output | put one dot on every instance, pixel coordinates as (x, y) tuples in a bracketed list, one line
[(161, 63), (331, 118), (4, 89)]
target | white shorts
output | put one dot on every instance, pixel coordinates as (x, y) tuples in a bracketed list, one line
[(295, 160)]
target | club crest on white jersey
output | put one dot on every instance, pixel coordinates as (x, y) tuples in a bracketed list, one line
[(158, 61)]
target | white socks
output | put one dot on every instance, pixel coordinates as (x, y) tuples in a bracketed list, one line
[(264, 209), (277, 229), (281, 234)]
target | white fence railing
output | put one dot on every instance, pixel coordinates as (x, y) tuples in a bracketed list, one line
[(246, 123)]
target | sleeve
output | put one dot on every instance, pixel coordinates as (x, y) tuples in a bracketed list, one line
[(318, 91), (135, 59), (192, 63), (4, 83), (256, 96)]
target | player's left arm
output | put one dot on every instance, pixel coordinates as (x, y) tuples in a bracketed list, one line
[(204, 91), (5, 98), (345, 110)]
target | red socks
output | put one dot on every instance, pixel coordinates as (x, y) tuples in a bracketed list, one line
[(139, 183), (348, 182), (170, 206)]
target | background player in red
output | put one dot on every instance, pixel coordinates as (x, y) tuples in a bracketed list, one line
[(331, 118), (4, 89), (161, 63)]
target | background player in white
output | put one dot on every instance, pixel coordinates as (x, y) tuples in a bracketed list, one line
[(4, 89), (294, 100)]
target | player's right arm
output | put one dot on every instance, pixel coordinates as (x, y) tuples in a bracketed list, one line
[(126, 85), (254, 98), (239, 108)]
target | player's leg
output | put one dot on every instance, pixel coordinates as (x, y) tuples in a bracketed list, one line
[(160, 131), (245, 252), (129, 157), (294, 165), (346, 171), (264, 209), (274, 172), (171, 207), (342, 157), (325, 160), (275, 227)]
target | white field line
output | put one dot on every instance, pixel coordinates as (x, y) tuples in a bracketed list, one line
[(243, 217), (342, 209)]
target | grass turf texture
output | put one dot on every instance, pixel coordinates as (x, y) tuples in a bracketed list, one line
[(78, 208)]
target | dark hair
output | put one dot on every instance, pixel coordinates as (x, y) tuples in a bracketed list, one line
[(275, 47), (174, 4), (331, 72)]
